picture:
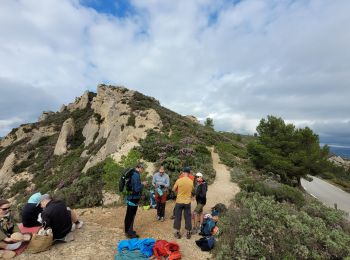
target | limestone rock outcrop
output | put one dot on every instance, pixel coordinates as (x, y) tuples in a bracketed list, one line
[(90, 130), (67, 132), (340, 161), (6, 169), (80, 102), (111, 103), (44, 115)]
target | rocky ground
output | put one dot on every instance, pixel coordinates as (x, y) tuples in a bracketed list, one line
[(103, 228)]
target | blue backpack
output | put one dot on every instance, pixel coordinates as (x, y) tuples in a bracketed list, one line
[(207, 227)]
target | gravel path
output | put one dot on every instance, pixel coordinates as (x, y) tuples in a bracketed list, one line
[(104, 226)]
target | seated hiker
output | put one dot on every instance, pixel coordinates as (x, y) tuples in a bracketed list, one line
[(201, 199), (59, 218), (10, 237), (160, 183), (31, 211)]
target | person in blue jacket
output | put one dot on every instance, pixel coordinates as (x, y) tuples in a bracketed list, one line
[(132, 201)]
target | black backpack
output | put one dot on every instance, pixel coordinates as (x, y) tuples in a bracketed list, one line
[(125, 180)]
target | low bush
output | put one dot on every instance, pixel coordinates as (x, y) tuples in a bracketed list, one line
[(261, 228)]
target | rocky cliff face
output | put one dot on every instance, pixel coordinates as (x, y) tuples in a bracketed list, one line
[(340, 161), (93, 127)]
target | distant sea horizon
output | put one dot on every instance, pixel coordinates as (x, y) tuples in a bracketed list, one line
[(340, 150)]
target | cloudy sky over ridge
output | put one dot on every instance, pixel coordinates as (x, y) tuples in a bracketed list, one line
[(234, 61)]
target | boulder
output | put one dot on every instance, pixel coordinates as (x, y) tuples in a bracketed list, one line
[(67, 132)]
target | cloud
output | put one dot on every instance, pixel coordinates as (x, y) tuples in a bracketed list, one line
[(21, 103), (237, 61)]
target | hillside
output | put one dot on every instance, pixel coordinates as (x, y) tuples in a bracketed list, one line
[(65, 151)]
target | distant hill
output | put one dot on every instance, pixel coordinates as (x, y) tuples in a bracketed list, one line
[(64, 152)]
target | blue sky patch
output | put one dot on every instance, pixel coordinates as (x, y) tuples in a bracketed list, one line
[(118, 8)]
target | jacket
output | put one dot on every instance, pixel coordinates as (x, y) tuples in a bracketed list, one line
[(201, 192), (56, 216), (136, 187), (30, 214)]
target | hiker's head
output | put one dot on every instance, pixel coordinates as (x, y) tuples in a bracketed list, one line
[(187, 170), (35, 198), (140, 167), (161, 170), (5, 207), (46, 198), (199, 176)]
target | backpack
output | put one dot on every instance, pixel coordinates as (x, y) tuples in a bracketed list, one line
[(206, 243), (163, 248), (125, 180), (207, 227)]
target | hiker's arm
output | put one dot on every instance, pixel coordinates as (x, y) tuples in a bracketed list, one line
[(175, 187), (46, 219), (167, 181)]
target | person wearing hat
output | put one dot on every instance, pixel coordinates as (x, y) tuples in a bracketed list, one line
[(183, 186), (201, 199), (133, 199), (31, 211), (57, 216), (10, 236)]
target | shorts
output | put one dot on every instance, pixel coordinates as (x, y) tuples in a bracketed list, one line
[(199, 208)]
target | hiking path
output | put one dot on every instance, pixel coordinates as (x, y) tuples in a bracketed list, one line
[(103, 227)]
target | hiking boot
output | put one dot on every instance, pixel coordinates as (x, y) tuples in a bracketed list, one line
[(158, 218), (177, 235), (79, 224), (188, 235), (132, 235), (162, 219)]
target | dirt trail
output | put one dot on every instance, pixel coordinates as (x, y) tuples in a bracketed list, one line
[(104, 226)]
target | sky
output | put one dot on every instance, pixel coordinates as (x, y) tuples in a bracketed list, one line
[(234, 61)]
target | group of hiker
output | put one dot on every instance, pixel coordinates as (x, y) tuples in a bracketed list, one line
[(41, 210), (186, 189)]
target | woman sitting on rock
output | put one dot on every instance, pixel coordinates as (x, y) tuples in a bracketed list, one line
[(10, 237)]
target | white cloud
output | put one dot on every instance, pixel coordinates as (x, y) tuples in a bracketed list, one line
[(237, 62)]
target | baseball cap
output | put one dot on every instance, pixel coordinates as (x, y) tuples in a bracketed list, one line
[(198, 174), (141, 165), (35, 198)]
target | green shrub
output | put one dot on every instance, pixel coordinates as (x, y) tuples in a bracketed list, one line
[(19, 187), (261, 228)]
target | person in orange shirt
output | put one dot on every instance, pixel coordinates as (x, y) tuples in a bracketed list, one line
[(188, 170), (183, 186)]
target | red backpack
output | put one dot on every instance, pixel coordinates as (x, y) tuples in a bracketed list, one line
[(163, 248)]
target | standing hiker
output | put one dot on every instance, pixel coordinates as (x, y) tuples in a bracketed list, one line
[(201, 199), (188, 170), (183, 186), (132, 200), (161, 183)]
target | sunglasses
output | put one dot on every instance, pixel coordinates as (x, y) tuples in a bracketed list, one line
[(4, 209)]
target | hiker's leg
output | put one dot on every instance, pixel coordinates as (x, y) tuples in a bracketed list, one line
[(163, 201), (3, 245), (129, 218), (73, 215), (158, 208), (134, 210), (178, 213), (187, 215)]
